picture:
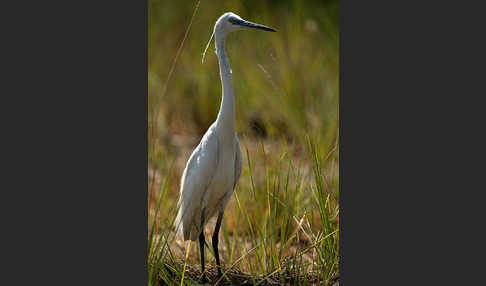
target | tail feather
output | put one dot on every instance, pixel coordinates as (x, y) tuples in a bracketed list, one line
[(178, 221), (184, 224)]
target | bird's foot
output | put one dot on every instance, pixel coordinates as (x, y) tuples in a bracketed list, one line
[(204, 280)]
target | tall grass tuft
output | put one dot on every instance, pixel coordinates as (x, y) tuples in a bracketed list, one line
[(287, 231)]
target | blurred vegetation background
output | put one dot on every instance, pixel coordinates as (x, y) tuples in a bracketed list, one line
[(286, 94), (286, 83)]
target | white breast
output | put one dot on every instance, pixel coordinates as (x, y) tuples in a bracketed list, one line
[(223, 181)]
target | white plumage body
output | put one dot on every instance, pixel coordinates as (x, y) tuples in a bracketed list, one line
[(208, 180)]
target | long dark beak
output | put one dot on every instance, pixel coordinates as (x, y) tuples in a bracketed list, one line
[(256, 26)]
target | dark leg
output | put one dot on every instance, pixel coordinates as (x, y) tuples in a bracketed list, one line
[(201, 248), (215, 242)]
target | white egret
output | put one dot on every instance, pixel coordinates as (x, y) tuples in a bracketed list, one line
[(214, 167)]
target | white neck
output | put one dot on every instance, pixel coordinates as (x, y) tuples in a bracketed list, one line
[(226, 115)]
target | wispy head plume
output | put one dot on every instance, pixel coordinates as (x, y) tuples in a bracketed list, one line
[(207, 46)]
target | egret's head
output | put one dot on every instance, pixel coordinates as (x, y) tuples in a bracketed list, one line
[(230, 22)]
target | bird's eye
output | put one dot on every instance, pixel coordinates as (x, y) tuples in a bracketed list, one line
[(234, 21)]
